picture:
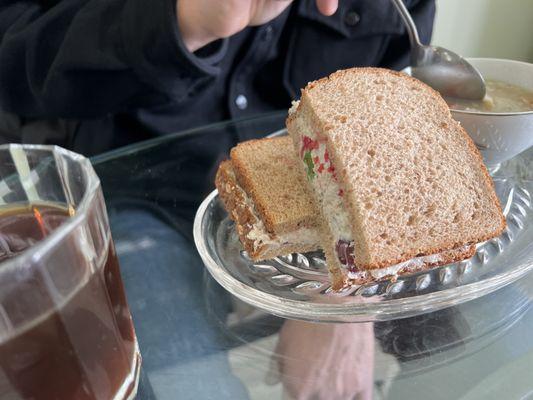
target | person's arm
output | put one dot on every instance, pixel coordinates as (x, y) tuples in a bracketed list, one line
[(87, 58)]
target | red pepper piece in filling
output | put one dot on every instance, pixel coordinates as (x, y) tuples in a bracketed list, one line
[(345, 253), (341, 192), (320, 168), (353, 268), (308, 144)]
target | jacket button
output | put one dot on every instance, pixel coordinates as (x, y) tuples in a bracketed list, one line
[(351, 18), (241, 102), (267, 33)]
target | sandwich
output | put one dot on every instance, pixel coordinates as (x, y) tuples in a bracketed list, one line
[(398, 184), (261, 189), (276, 218)]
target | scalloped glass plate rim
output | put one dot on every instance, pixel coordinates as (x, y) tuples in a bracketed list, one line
[(372, 310)]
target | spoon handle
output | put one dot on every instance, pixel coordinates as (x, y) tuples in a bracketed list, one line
[(409, 23)]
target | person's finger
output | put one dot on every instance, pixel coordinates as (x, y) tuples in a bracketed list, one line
[(327, 7)]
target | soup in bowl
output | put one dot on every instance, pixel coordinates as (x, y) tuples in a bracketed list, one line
[(501, 97), (501, 125)]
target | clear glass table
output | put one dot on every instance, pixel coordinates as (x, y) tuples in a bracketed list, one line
[(198, 342)]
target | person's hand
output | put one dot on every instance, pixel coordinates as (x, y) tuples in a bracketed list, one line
[(326, 361), (204, 21)]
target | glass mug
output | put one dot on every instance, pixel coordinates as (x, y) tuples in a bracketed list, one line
[(65, 327)]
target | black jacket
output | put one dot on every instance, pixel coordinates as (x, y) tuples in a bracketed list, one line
[(104, 73)]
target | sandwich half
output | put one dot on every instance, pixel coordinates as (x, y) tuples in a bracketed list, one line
[(399, 184), (261, 189)]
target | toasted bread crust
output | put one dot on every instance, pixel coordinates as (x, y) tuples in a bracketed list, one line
[(235, 204), (305, 107)]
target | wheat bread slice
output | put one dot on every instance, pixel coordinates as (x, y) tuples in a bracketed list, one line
[(411, 180), (259, 243), (269, 173)]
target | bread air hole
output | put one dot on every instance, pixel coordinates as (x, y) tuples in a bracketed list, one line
[(430, 210), (390, 219), (411, 220)]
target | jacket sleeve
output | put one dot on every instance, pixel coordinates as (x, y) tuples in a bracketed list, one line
[(88, 58)]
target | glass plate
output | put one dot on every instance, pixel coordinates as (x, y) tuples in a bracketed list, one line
[(297, 286)]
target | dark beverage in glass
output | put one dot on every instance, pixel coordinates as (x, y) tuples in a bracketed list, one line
[(65, 328)]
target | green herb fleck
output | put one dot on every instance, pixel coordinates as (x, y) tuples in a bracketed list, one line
[(308, 160)]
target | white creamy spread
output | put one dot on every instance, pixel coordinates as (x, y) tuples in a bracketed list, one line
[(322, 176), (393, 270), (261, 237), (294, 106), (327, 189), (331, 194), (301, 236), (407, 266)]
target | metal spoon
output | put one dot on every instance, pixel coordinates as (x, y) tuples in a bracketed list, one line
[(442, 69)]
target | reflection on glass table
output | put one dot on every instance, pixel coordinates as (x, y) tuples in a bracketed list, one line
[(197, 341)]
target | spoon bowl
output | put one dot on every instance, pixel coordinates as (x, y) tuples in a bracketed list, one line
[(440, 68), (448, 73)]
